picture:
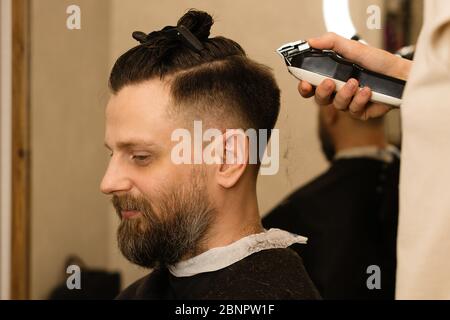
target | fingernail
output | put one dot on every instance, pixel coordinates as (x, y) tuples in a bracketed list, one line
[(366, 91), (328, 85), (352, 84)]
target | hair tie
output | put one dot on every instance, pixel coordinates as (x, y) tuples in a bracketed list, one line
[(180, 32)]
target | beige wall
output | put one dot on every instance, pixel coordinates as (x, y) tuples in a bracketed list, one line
[(68, 93), (358, 12), (69, 76)]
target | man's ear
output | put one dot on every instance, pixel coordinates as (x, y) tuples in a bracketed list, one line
[(235, 158)]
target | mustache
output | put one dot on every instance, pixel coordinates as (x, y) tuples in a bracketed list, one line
[(130, 203)]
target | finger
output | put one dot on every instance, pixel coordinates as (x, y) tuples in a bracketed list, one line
[(324, 92), (345, 95), (359, 104), (305, 89)]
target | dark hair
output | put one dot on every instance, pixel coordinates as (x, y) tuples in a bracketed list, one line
[(218, 80)]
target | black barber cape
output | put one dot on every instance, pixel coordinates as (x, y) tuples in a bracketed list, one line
[(267, 274), (349, 215)]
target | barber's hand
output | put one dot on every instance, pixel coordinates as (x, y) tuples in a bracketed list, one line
[(350, 98)]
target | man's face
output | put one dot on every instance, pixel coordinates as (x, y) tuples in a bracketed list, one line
[(164, 208)]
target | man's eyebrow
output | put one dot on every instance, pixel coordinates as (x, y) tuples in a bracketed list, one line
[(131, 144)]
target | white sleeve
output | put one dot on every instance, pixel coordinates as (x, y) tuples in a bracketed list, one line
[(423, 247)]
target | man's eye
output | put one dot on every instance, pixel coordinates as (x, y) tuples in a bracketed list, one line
[(140, 158)]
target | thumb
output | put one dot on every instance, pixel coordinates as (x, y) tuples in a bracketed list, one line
[(349, 49), (371, 58)]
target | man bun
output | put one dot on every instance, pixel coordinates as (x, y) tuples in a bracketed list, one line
[(198, 22)]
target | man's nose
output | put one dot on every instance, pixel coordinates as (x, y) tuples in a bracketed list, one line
[(115, 180)]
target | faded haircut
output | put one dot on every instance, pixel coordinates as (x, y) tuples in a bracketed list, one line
[(220, 80)]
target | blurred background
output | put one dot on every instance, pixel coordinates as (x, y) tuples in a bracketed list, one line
[(54, 91)]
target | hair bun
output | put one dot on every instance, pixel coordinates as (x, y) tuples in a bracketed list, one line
[(198, 22)]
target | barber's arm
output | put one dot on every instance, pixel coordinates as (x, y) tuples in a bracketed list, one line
[(350, 98)]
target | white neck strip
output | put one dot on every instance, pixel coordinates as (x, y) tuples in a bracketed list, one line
[(222, 257), (386, 155)]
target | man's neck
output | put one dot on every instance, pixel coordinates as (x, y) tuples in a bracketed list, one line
[(232, 222), (230, 233)]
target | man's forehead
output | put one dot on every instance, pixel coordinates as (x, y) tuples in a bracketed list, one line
[(139, 104), (137, 115)]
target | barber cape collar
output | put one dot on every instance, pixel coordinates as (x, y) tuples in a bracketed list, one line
[(222, 257), (387, 154)]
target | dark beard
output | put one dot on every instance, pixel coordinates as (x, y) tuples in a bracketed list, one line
[(167, 231), (326, 143)]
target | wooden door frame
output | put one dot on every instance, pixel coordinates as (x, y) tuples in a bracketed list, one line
[(20, 206)]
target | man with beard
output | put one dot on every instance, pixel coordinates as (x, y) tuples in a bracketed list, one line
[(349, 213), (197, 225)]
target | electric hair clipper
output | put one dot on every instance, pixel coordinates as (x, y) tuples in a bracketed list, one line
[(313, 66)]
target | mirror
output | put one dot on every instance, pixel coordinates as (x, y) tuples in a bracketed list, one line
[(389, 25), (71, 222)]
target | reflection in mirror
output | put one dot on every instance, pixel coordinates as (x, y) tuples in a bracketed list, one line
[(387, 24), (403, 23)]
